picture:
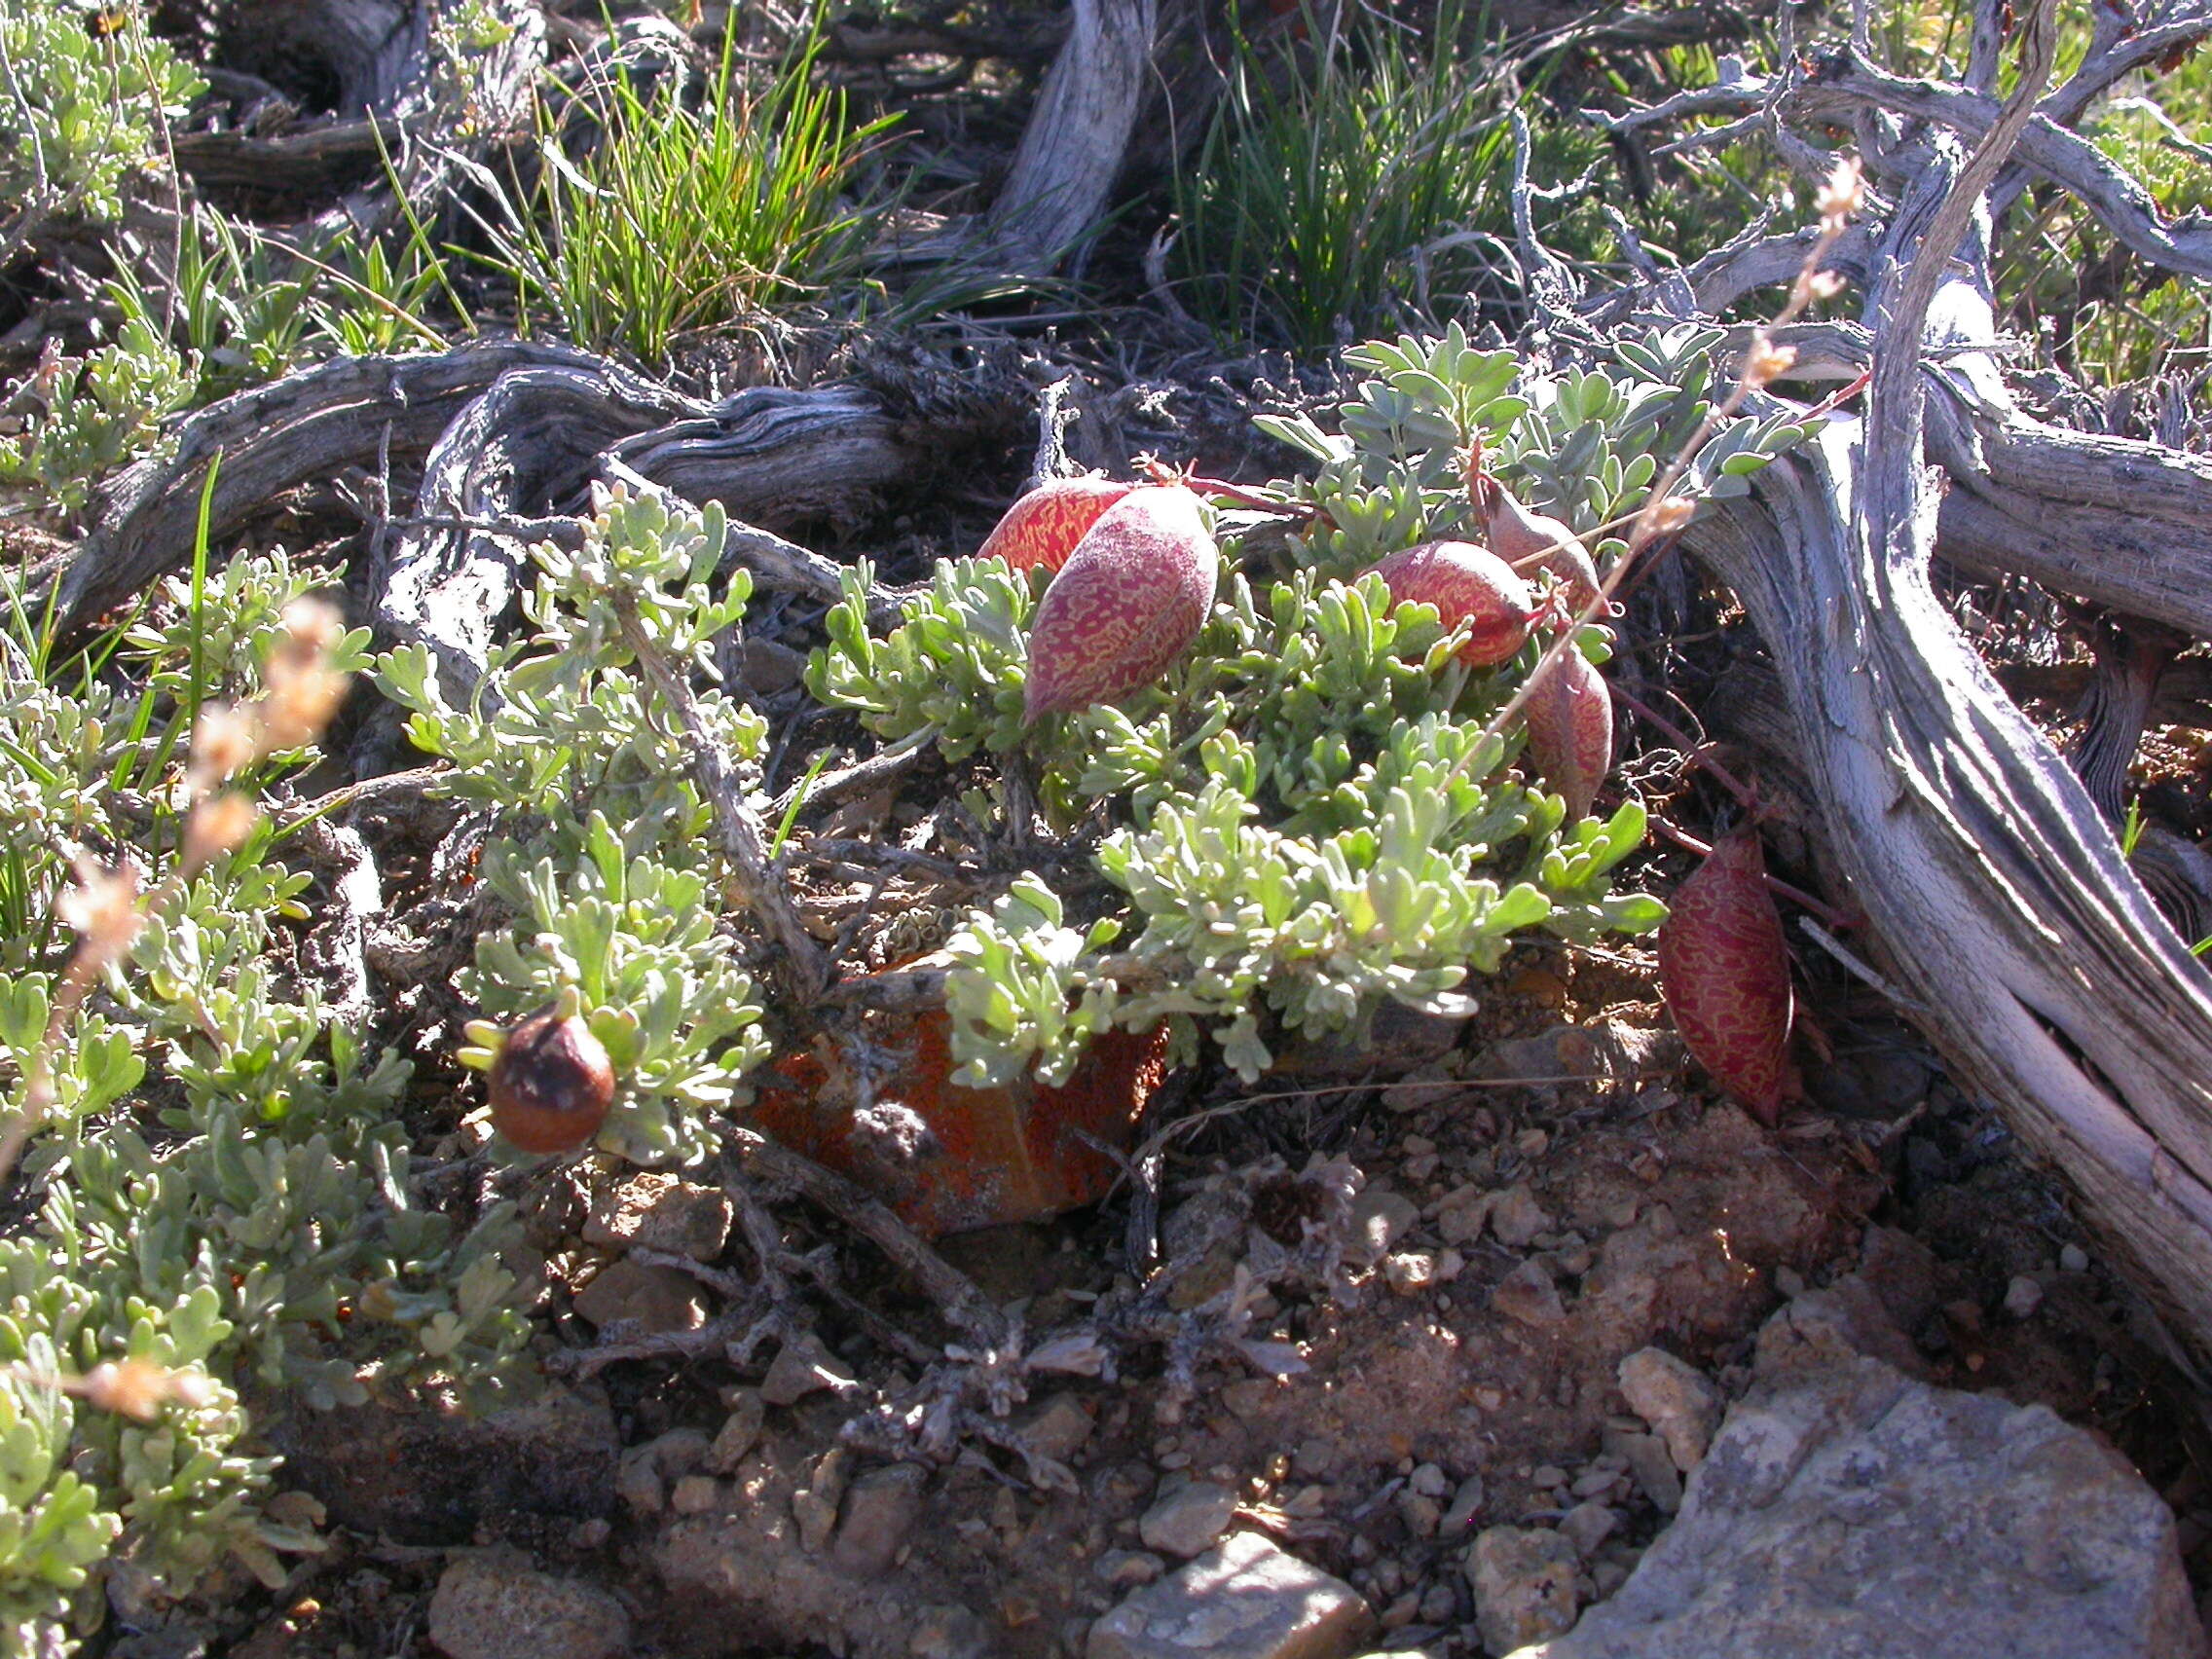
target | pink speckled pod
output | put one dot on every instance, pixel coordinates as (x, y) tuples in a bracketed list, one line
[(1516, 534), (1724, 972), (1466, 583), (1129, 602), (1043, 527), (1570, 730)]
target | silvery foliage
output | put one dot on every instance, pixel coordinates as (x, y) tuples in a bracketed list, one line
[(1303, 818), (604, 850)]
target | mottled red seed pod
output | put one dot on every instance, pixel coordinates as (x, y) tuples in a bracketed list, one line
[(1468, 584), (552, 1084), (1724, 972), (1043, 527), (1522, 537), (1129, 602), (1570, 730)]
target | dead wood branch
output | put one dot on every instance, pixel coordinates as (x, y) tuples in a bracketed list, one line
[(1071, 151), (2000, 899)]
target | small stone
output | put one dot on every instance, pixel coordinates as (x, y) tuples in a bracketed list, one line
[(1516, 1217), (814, 1506), (1606, 1576), (1461, 1214), (1587, 1526), (1244, 1397), (495, 1608), (1595, 1484), (679, 1450), (1549, 1476), (656, 1211), (1466, 1503), (1422, 1515), (638, 1483), (740, 1431), (1409, 1273), (946, 1632), (1059, 1428), (2022, 1297), (1187, 1518), (1430, 1480), (1524, 1584), (694, 1495), (1652, 1466), (2074, 1259), (1529, 1295), (1450, 1264), (1379, 1218), (881, 1509), (1402, 1611), (1440, 1604), (1678, 1401), (1128, 1570), (629, 1295), (1244, 1599), (801, 1368)]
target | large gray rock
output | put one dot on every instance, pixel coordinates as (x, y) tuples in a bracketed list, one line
[(497, 1607), (1848, 1511), (1245, 1600)]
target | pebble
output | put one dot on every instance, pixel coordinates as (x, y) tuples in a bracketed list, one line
[(1678, 1401), (656, 1211), (2022, 1297), (1129, 1569), (2074, 1259), (645, 1301), (1379, 1218), (1549, 1476), (1059, 1428), (498, 1608), (1430, 1480), (1524, 1584), (1529, 1295), (1652, 1465), (814, 1506), (1587, 1526), (1244, 1599), (740, 1431), (1187, 1518), (1409, 1273), (1462, 1213), (694, 1495), (881, 1509), (1516, 1217), (1595, 1484), (803, 1367), (1467, 1503)]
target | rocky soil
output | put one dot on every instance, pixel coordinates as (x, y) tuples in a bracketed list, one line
[(1575, 1358)]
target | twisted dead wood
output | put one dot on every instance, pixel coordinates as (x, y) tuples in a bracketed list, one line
[(2003, 905)]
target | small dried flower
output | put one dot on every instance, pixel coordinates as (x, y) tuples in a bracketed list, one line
[(1843, 196), (1824, 285), (1765, 360), (130, 1387), (1671, 514), (312, 627), (103, 907), (300, 703), (222, 744), (216, 825)]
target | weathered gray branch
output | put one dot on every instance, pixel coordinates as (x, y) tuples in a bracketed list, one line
[(1071, 151), (2005, 907)]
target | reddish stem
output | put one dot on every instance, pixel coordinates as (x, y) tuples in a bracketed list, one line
[(1775, 885), (1694, 752)]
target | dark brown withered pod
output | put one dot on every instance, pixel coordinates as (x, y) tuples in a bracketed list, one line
[(552, 1084)]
